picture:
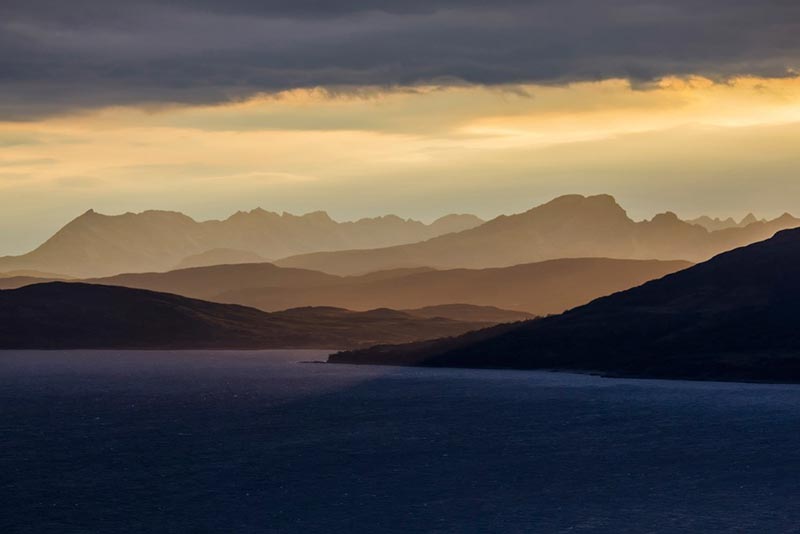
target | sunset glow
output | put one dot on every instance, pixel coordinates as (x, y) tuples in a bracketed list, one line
[(418, 152)]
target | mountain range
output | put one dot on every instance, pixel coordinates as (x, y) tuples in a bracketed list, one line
[(716, 223), (571, 226), (733, 317), (60, 315), (100, 245)]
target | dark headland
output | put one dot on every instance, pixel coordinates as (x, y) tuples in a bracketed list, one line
[(59, 315), (734, 317)]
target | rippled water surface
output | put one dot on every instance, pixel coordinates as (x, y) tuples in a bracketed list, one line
[(142, 442)]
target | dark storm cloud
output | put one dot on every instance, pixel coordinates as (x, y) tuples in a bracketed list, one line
[(57, 56)]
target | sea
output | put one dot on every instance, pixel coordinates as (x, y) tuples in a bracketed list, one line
[(269, 441)]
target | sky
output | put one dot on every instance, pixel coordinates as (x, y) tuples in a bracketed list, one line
[(419, 108)]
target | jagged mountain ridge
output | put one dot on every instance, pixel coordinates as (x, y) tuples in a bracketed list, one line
[(99, 245), (572, 226), (716, 223)]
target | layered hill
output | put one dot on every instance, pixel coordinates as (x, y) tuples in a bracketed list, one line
[(209, 282), (539, 289), (572, 226), (101, 245), (733, 317), (219, 256), (75, 315)]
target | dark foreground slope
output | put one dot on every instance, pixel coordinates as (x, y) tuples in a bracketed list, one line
[(13, 282), (73, 315), (733, 317)]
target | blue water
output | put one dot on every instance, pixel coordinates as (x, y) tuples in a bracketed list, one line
[(239, 442)]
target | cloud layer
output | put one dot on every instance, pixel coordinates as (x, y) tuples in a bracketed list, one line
[(60, 56)]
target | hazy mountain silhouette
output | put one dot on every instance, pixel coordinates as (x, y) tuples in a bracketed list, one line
[(716, 223), (99, 245), (567, 227), (733, 317), (219, 256), (541, 289), (208, 282), (61, 315), (750, 219)]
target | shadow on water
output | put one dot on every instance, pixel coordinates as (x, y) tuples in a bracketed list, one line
[(256, 442)]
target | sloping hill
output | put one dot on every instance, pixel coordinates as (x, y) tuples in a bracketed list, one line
[(219, 256), (61, 315), (571, 226), (13, 282), (208, 282), (733, 317)]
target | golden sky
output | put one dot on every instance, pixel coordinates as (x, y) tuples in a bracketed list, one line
[(684, 144)]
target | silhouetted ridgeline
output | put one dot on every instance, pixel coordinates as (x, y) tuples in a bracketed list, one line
[(219, 256), (13, 282), (540, 288), (572, 226), (733, 317), (61, 315), (715, 224), (101, 245)]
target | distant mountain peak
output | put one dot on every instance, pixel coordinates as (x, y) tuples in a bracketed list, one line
[(667, 216), (579, 201), (457, 216), (597, 207), (748, 219), (256, 214), (316, 216), (259, 211), (576, 199), (87, 215)]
